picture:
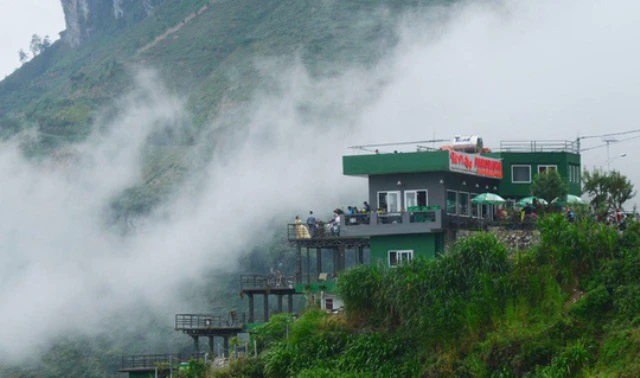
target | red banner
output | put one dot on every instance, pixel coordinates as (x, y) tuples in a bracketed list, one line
[(475, 165)]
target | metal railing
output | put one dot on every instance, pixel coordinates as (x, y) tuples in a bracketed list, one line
[(270, 281), (510, 223), (207, 321), (539, 146), (150, 361)]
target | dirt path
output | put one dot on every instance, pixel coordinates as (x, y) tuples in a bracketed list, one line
[(176, 28)]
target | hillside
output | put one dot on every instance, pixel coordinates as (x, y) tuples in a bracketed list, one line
[(207, 51), (568, 307)]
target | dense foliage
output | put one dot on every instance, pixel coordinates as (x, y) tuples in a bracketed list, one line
[(549, 185), (569, 307), (609, 190)]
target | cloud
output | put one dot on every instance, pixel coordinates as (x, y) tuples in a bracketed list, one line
[(508, 70)]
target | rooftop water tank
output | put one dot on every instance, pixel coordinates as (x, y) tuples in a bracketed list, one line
[(471, 144)]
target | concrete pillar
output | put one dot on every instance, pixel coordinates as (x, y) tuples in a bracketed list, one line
[(211, 346), (319, 261), (251, 309), (290, 300), (266, 307), (299, 264), (196, 345), (226, 345), (361, 255), (341, 258), (280, 303)]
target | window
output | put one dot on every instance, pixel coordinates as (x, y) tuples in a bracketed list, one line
[(452, 202), (574, 173), (415, 198), (400, 257), (475, 209), (547, 168), (521, 174), (464, 203), (389, 201)]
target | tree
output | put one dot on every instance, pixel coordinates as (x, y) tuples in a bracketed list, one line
[(608, 190), (36, 44), (549, 185), (23, 56), (46, 42)]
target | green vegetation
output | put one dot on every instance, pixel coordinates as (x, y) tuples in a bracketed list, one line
[(609, 190), (569, 307)]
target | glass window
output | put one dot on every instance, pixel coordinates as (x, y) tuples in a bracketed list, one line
[(464, 203), (475, 209), (389, 201), (414, 198), (452, 202), (400, 257), (547, 168), (521, 174)]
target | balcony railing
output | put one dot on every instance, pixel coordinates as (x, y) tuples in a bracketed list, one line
[(209, 321), (511, 223), (271, 281), (418, 220)]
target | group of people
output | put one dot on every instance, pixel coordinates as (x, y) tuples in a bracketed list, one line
[(313, 227)]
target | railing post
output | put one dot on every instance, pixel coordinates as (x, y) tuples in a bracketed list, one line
[(298, 263)]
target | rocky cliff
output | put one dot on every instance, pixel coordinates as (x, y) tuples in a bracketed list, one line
[(86, 17)]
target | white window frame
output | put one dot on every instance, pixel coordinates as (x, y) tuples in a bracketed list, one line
[(446, 205), (390, 191), (468, 214), (399, 252), (521, 166), (547, 166), (416, 192)]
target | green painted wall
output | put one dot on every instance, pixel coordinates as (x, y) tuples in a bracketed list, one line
[(432, 161), (142, 375), (423, 245), (563, 160)]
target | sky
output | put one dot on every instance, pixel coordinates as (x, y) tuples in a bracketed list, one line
[(508, 70), (21, 19)]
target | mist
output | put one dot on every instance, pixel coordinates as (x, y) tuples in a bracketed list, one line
[(505, 70)]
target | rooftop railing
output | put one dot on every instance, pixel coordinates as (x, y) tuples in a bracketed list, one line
[(540, 146), (209, 321)]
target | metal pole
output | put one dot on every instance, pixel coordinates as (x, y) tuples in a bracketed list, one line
[(170, 366)]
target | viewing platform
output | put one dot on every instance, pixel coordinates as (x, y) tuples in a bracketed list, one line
[(210, 324), (149, 362), (364, 225), (274, 283)]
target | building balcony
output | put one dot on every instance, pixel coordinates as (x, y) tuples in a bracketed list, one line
[(372, 224)]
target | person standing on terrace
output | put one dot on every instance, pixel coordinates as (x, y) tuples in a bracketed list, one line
[(367, 208), (311, 223)]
